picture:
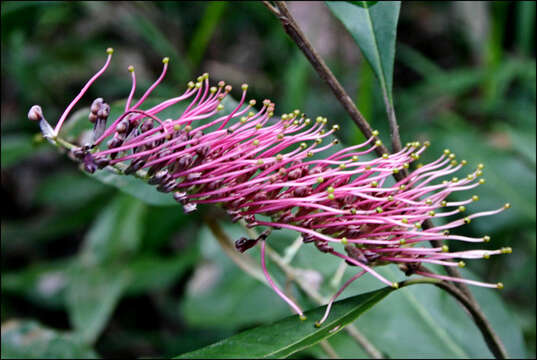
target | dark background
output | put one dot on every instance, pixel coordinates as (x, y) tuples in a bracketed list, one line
[(464, 79)]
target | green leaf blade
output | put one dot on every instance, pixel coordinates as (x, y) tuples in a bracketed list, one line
[(92, 297), (29, 339), (290, 335), (373, 27)]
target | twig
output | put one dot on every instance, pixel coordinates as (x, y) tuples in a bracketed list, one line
[(293, 30), (295, 33), (329, 350), (362, 340), (452, 271), (394, 127), (243, 261)]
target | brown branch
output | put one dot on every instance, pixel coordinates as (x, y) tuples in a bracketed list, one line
[(452, 271), (363, 342), (394, 127), (295, 33), (329, 350)]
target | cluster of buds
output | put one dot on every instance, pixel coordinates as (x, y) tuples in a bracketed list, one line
[(264, 170)]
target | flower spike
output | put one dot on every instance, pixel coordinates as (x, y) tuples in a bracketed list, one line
[(265, 170)]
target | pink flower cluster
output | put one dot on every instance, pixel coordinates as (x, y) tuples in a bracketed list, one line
[(253, 163)]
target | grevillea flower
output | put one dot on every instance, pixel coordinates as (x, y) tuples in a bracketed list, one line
[(262, 169)]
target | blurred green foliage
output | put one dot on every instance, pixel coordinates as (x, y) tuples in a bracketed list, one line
[(88, 270)]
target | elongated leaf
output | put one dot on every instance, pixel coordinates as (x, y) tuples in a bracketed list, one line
[(69, 190), (418, 312), (290, 335), (134, 186), (97, 284), (43, 284), (363, 3), (373, 27), (16, 148), (525, 34), (91, 298), (29, 339), (205, 30), (231, 299), (117, 232), (154, 273)]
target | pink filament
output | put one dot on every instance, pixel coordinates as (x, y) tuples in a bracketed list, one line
[(274, 287)]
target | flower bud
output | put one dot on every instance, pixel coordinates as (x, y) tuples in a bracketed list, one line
[(244, 244), (35, 113)]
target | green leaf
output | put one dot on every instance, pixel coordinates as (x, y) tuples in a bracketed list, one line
[(34, 232), (92, 297), (221, 295), (423, 312), (116, 232), (68, 189), (140, 24), (374, 30), (205, 30), (363, 3), (427, 313), (99, 278), (153, 273), (295, 91), (29, 339), (16, 147), (43, 284), (133, 186), (290, 335), (525, 26)]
